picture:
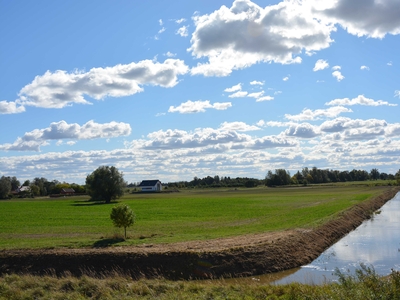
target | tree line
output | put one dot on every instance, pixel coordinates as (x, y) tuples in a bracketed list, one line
[(107, 183), (315, 176), (39, 186)]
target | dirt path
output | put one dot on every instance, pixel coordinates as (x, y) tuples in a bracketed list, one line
[(232, 257)]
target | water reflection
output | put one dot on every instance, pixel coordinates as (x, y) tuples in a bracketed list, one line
[(374, 243)]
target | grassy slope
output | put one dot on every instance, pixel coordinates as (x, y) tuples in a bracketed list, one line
[(173, 217)]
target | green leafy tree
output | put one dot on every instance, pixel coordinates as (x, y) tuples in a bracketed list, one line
[(122, 216), (5, 187), (374, 174), (105, 183)]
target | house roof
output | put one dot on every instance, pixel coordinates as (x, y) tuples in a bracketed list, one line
[(149, 182), (68, 190), (24, 189)]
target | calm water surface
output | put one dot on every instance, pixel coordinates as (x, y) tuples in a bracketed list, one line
[(375, 243)]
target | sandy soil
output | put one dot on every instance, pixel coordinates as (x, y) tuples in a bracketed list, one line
[(231, 257)]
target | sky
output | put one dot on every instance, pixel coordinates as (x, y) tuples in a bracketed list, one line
[(171, 90)]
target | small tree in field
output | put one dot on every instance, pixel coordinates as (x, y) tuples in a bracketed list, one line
[(122, 216)]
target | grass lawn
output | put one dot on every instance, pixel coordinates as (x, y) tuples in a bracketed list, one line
[(173, 217)]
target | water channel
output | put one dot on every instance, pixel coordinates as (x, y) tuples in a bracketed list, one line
[(375, 243)]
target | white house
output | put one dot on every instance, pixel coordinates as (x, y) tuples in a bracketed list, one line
[(151, 185)]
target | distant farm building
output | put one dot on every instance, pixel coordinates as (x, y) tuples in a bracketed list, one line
[(67, 191), (151, 185)]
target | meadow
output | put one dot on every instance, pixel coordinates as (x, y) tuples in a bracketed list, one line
[(188, 215)]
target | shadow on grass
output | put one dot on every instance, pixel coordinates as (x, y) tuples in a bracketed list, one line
[(107, 242), (91, 202)]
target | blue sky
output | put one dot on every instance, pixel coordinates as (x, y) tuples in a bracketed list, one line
[(173, 90)]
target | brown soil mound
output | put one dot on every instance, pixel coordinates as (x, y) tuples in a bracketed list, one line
[(239, 256)]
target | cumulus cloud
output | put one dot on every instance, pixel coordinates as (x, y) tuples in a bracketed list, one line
[(245, 34), (32, 141), (359, 100), (234, 88), (183, 31), (255, 95), (238, 126), (393, 130), (238, 94), (10, 108), (308, 114), (320, 65), (190, 107), (365, 68), (373, 18), (265, 98), (59, 89), (304, 130), (223, 137), (340, 124), (255, 82), (338, 75), (285, 78), (396, 94)]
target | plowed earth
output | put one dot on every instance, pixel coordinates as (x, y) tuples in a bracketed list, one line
[(231, 257)]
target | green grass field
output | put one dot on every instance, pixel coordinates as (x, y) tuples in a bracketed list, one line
[(173, 217)]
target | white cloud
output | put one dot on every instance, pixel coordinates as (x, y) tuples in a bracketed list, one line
[(359, 100), (335, 68), (304, 130), (160, 21), (341, 124), (308, 114), (60, 89), (265, 98), (170, 54), (245, 34), (338, 75), (393, 130), (285, 78), (389, 64), (10, 108), (32, 141), (183, 31), (161, 30), (180, 21), (238, 126), (255, 95), (234, 88), (239, 94), (255, 82), (365, 68), (198, 106), (373, 18), (320, 65), (396, 94)]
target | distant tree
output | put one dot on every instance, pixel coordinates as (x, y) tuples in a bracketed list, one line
[(14, 183), (280, 177), (35, 190), (122, 216), (374, 174), (105, 183), (250, 183), (5, 187)]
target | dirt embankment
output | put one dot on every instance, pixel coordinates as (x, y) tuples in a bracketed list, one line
[(233, 257)]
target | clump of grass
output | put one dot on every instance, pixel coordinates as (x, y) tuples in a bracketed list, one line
[(365, 284)]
